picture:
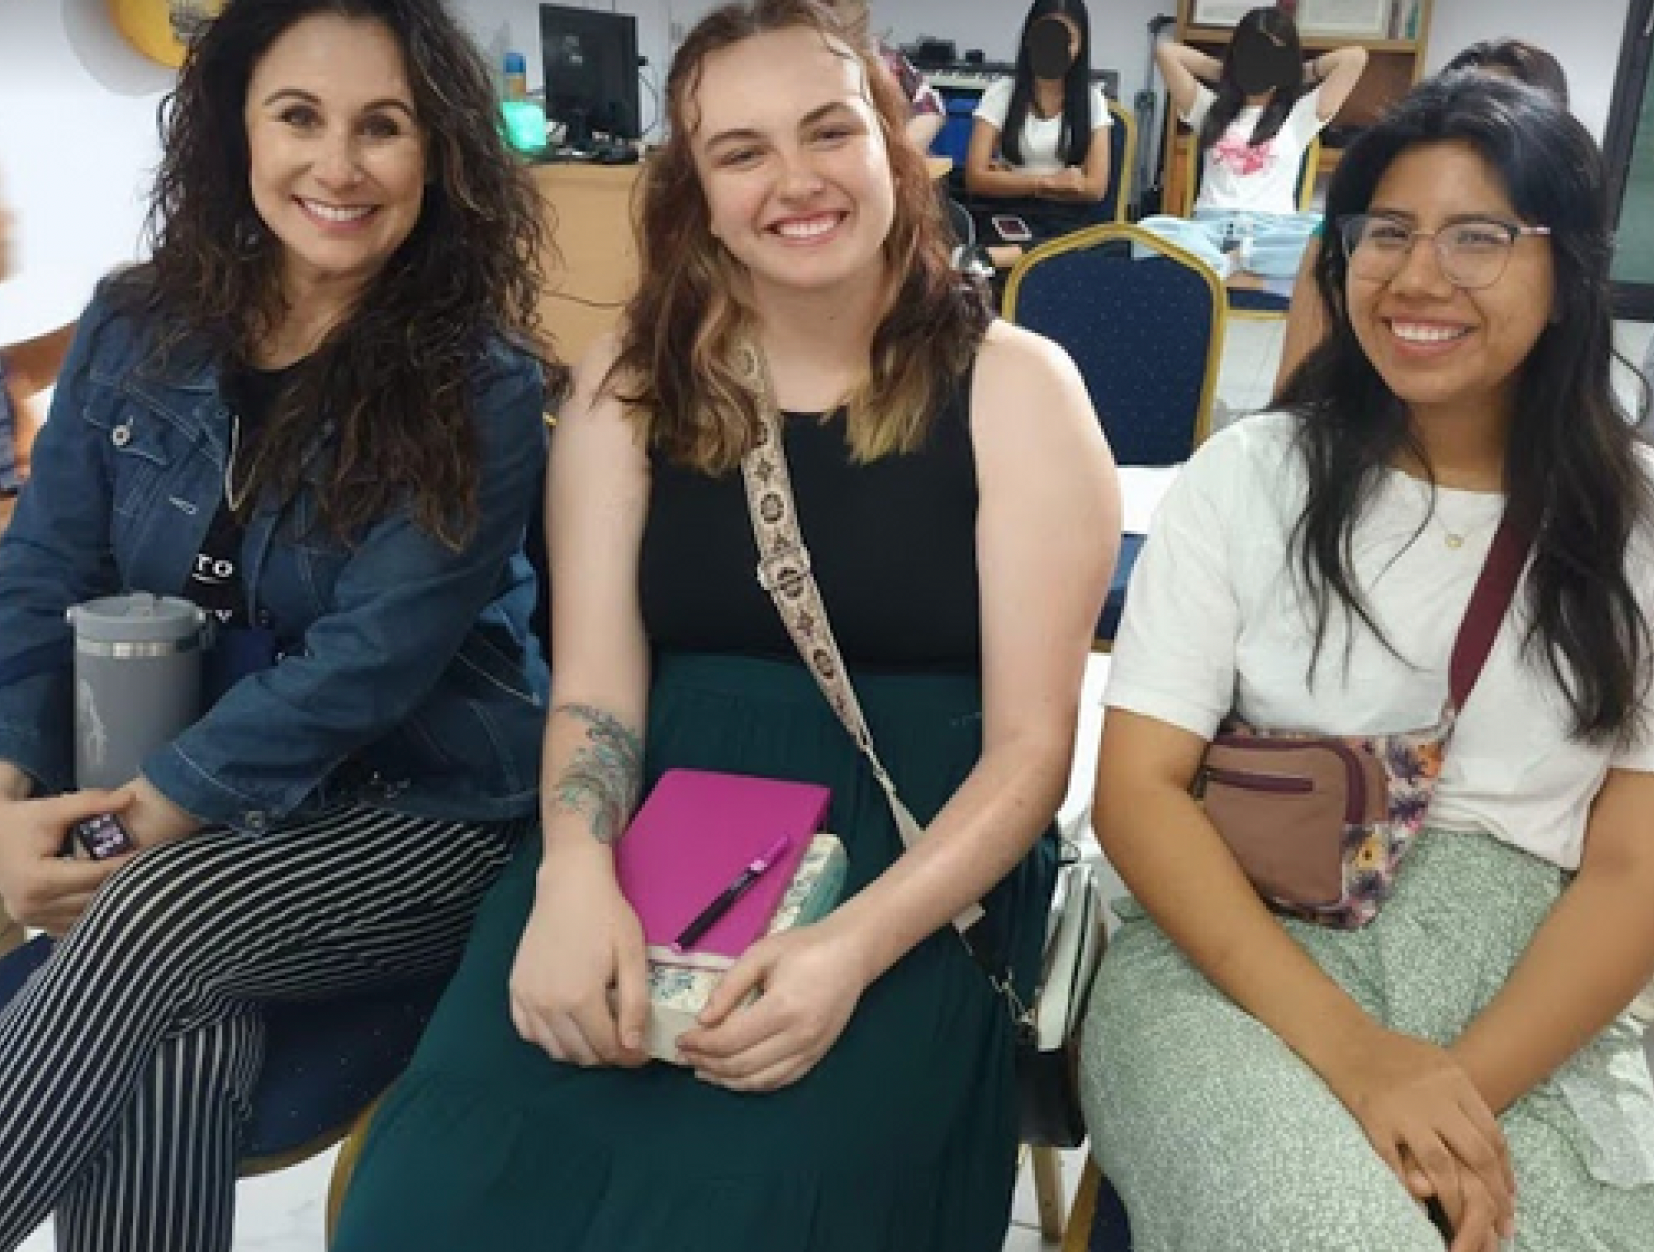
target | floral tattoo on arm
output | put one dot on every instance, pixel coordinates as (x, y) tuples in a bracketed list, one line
[(602, 779)]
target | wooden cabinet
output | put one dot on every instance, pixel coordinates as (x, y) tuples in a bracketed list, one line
[(592, 212), (1393, 66)]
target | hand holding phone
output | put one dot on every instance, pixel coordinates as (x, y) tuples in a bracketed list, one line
[(101, 837)]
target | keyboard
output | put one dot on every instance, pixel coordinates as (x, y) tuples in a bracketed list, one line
[(964, 76)]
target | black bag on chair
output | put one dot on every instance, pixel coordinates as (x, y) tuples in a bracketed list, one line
[(1048, 1034)]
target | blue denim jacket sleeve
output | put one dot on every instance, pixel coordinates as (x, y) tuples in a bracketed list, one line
[(404, 602), (56, 554)]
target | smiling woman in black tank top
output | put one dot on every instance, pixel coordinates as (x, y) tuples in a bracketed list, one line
[(960, 508)]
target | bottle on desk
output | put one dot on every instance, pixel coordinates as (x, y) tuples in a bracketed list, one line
[(516, 76)]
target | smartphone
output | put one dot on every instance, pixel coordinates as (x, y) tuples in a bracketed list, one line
[(1011, 229), (101, 837)]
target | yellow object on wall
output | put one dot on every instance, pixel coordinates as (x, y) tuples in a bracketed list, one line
[(161, 29)]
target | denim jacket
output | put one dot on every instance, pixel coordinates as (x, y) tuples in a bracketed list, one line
[(409, 678)]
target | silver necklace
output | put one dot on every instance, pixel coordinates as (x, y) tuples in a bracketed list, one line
[(230, 496)]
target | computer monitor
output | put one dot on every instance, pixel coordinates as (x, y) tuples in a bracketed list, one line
[(591, 72)]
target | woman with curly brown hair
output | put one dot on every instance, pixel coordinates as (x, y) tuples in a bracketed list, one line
[(961, 514), (317, 413)]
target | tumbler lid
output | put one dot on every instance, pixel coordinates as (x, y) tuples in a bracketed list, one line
[(136, 618)]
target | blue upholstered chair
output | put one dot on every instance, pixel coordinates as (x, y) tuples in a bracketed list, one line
[(1109, 624), (325, 1060), (1147, 335), (1122, 161), (1098, 1220)]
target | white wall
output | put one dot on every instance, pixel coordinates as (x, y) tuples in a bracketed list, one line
[(77, 106), (77, 144), (1584, 35)]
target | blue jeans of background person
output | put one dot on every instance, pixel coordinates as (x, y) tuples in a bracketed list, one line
[(1270, 245)]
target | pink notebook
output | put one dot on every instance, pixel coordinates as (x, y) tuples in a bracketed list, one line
[(695, 834)]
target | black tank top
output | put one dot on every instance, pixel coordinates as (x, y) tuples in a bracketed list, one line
[(892, 545)]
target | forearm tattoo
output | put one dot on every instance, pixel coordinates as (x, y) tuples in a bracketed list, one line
[(602, 779)]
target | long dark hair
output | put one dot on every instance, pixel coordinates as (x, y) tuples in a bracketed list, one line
[(1278, 28), (677, 367), (1571, 470), (394, 377), (1074, 143)]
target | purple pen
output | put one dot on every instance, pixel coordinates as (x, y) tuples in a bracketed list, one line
[(708, 917)]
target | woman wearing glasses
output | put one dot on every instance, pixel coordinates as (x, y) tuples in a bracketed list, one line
[(1306, 319), (1457, 1072)]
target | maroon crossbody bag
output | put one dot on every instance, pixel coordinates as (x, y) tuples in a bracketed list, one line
[(1320, 823)]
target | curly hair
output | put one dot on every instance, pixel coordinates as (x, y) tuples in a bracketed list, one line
[(394, 377), (676, 366)]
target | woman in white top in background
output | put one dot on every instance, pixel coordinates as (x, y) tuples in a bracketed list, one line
[(1039, 148), (1252, 132), (1255, 1083)]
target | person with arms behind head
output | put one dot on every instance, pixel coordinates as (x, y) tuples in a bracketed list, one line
[(316, 412), (1039, 145), (864, 1101), (1252, 128), (1306, 318), (1458, 1069)]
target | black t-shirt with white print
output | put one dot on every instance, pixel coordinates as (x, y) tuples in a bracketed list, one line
[(215, 584)]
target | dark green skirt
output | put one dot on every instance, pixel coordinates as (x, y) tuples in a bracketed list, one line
[(903, 1138)]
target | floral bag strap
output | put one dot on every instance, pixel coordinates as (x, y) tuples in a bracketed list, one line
[(784, 572)]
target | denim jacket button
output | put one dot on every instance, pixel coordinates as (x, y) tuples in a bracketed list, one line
[(121, 435)]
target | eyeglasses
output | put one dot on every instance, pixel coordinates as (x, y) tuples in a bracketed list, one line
[(1473, 254)]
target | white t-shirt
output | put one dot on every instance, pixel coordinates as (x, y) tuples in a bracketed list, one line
[(1041, 136), (1238, 177), (1214, 620)]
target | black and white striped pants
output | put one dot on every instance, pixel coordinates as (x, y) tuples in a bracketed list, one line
[(128, 1062)]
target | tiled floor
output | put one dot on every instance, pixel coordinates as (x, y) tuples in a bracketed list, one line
[(284, 1212)]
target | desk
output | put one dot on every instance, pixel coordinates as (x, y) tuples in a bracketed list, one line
[(591, 211)]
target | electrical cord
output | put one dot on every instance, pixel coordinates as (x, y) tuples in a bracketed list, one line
[(590, 304), (654, 97)]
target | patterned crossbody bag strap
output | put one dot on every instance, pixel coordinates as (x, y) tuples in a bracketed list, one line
[(784, 572)]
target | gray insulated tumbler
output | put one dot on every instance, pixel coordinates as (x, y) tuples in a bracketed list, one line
[(137, 681)]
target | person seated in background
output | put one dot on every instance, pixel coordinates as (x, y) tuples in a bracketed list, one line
[(316, 412), (1460, 1067), (27, 368), (1306, 318), (864, 1100), (1251, 131), (927, 112), (1039, 149)]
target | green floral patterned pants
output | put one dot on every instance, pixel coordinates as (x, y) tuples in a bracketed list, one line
[(1221, 1140)]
